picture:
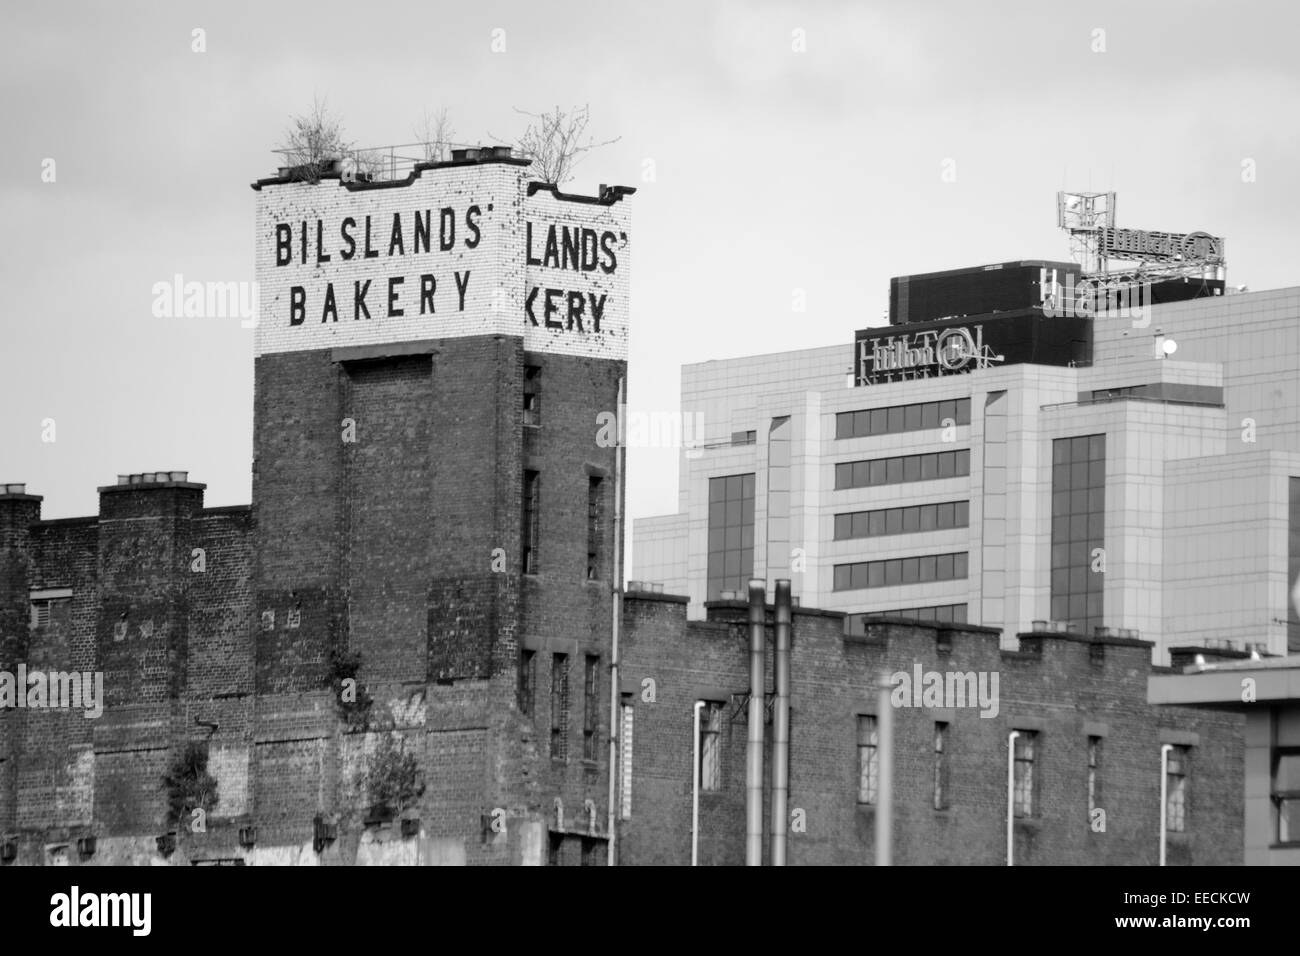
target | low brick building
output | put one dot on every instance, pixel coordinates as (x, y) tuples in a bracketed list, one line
[(1083, 700), (158, 593)]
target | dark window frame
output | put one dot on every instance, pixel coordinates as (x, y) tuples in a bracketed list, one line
[(591, 708), (710, 746), (531, 520), (949, 566), (527, 681), (731, 509), (1078, 507), (855, 624), (1025, 802), (901, 419), (532, 400), (1177, 787), (868, 750), (941, 747), (560, 707), (595, 527), (1095, 743)]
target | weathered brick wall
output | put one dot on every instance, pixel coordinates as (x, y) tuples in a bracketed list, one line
[(17, 514), (563, 610), (711, 664), (1052, 685), (48, 772), (283, 758), (428, 492), (385, 521), (298, 519), (152, 578), (390, 512), (220, 659), (474, 480)]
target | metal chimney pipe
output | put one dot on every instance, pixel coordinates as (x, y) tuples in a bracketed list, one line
[(615, 689), (885, 760), (1011, 797), (695, 789), (781, 725), (754, 750), (1164, 797)]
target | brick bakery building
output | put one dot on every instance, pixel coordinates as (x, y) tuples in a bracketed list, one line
[(429, 500), (413, 647)]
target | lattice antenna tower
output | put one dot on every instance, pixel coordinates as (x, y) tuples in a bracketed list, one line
[(1084, 215)]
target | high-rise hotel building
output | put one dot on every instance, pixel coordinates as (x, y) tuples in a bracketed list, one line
[(1000, 458)]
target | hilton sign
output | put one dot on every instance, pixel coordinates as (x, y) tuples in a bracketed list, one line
[(923, 355), (1140, 245)]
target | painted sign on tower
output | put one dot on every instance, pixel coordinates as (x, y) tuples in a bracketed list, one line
[(456, 249)]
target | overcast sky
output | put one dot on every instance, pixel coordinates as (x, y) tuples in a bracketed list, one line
[(774, 170)]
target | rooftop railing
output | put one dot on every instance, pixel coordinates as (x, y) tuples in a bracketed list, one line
[(387, 163)]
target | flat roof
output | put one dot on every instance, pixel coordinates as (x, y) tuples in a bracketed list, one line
[(1221, 684), (994, 267)]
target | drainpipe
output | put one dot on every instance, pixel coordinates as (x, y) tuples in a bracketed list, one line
[(781, 725), (885, 785), (617, 582), (754, 750), (1164, 796), (695, 790), (1011, 797)]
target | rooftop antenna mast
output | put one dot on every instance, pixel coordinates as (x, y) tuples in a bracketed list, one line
[(1084, 215), (1109, 256)]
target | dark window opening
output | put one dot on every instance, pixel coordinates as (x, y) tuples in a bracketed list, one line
[(1023, 789), (711, 746), (940, 766), (868, 760), (560, 707), (532, 395), (527, 681), (531, 519), (595, 526), (1094, 774), (1176, 790), (590, 707)]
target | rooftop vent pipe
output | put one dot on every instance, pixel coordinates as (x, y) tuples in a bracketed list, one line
[(754, 750), (781, 724)]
